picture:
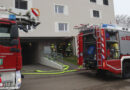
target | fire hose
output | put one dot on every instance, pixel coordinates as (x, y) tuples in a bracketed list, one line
[(65, 70)]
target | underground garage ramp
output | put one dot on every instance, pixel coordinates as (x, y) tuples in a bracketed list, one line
[(29, 53)]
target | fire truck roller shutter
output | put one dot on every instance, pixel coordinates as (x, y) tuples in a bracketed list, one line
[(124, 42)]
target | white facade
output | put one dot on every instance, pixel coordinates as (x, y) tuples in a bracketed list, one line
[(75, 12), (58, 18)]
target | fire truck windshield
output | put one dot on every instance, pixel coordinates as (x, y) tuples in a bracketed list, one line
[(4, 30), (5, 36)]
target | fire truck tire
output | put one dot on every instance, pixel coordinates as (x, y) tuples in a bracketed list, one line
[(22, 76), (126, 72), (101, 72)]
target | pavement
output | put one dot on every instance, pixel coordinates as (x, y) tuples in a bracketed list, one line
[(81, 80)]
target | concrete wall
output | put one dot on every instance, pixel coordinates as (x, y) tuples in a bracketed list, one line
[(7, 3)]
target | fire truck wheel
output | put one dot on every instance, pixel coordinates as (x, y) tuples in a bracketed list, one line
[(22, 76), (126, 71), (101, 73)]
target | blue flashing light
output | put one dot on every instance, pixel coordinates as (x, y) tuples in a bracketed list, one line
[(108, 25), (12, 17), (104, 25)]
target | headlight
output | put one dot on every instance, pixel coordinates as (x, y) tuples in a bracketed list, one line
[(18, 79)]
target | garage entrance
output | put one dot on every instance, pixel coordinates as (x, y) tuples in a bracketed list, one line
[(29, 52)]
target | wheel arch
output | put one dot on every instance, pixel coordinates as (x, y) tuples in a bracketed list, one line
[(123, 59)]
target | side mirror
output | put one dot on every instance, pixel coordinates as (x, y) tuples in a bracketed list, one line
[(22, 27), (35, 25), (14, 42), (14, 31)]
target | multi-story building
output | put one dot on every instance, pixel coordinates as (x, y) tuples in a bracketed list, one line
[(58, 18)]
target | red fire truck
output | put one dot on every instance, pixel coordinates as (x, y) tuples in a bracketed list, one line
[(10, 48), (104, 48)]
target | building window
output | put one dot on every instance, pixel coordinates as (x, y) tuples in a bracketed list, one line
[(21, 4), (93, 1), (63, 26), (105, 2), (59, 9), (96, 13)]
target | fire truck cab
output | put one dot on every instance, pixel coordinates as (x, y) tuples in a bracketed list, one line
[(104, 48), (10, 55), (10, 47)]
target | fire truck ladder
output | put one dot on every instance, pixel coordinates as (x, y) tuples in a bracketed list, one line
[(26, 20), (99, 48)]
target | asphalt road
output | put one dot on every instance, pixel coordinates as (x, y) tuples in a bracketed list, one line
[(75, 81)]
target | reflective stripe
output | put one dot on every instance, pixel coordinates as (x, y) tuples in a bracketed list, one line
[(103, 57), (112, 67), (6, 53), (102, 45), (103, 50), (36, 12), (102, 39), (8, 70)]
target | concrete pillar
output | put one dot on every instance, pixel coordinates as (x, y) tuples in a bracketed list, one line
[(75, 45), (40, 51)]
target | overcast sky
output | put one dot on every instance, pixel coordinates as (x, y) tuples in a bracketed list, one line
[(122, 7)]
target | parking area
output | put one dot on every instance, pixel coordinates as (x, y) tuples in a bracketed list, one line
[(82, 80)]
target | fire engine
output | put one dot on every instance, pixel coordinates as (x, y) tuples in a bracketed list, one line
[(104, 48), (11, 21)]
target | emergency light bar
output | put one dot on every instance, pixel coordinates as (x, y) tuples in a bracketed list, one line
[(110, 26), (12, 17)]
